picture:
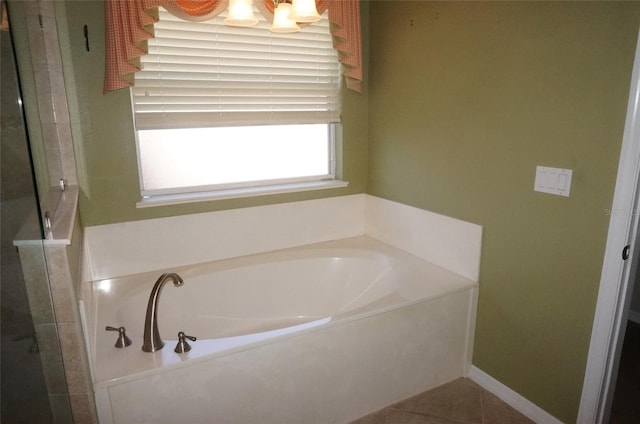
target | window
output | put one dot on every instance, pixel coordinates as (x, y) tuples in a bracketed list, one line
[(226, 111)]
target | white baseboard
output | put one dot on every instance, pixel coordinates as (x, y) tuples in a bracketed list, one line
[(634, 316), (512, 398)]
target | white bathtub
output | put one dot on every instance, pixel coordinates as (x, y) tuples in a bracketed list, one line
[(319, 334)]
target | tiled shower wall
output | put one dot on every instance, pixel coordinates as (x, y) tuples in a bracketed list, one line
[(53, 297), (46, 60), (63, 266), (52, 281)]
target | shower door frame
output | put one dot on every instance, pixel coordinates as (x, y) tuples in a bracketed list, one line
[(30, 241)]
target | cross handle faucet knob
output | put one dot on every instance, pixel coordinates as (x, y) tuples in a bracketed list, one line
[(123, 340), (182, 345)]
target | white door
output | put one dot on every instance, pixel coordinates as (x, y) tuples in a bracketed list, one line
[(618, 274)]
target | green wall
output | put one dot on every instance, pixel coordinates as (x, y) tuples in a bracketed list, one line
[(465, 99), (103, 132)]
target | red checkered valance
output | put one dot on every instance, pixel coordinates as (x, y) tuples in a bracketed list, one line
[(129, 23)]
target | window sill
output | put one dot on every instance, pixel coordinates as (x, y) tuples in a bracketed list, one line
[(175, 199)]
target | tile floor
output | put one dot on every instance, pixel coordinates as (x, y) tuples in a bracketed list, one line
[(460, 402)]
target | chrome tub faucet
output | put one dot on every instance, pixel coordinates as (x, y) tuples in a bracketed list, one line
[(152, 340)]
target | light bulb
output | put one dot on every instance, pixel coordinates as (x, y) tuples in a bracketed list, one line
[(305, 11), (282, 21), (240, 13)]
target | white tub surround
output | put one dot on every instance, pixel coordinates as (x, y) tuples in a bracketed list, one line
[(236, 302), (330, 376), (128, 248), (368, 324), (133, 247), (448, 242)]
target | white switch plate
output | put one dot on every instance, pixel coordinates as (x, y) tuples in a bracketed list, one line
[(553, 180)]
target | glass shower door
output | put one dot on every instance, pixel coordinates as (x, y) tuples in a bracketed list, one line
[(27, 391)]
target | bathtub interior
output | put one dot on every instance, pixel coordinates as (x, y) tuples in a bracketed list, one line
[(232, 305), (232, 298)]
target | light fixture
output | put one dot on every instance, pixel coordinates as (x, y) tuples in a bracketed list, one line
[(305, 11), (240, 13), (282, 22)]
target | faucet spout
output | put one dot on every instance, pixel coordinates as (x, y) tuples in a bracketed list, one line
[(152, 340)]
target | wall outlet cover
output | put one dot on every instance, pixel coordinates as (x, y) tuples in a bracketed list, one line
[(553, 180)]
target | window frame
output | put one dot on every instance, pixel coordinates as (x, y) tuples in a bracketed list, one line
[(248, 188), (179, 195)]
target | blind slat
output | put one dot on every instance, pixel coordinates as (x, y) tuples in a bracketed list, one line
[(235, 105), (242, 46), (167, 77), (148, 95), (212, 119), (165, 70), (175, 63), (205, 74), (235, 53), (152, 87)]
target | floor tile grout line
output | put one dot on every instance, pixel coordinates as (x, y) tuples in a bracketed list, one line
[(482, 415), (481, 397), (427, 414)]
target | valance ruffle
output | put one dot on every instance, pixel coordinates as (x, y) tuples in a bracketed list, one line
[(129, 24)]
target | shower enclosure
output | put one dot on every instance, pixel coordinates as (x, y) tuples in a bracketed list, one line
[(30, 392)]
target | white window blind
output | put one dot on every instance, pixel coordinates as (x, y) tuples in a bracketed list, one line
[(206, 74)]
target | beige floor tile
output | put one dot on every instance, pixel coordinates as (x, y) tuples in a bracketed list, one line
[(375, 418), (396, 416), (458, 400), (496, 411)]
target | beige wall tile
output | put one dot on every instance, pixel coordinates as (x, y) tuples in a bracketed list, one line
[(61, 409), (83, 409), (67, 153), (37, 284), (50, 282), (74, 358), (36, 40), (54, 374), (50, 33), (52, 149), (60, 109), (31, 7), (47, 338), (46, 7), (64, 302), (43, 88)]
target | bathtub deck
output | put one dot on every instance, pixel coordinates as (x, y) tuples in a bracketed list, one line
[(414, 339), (420, 282)]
